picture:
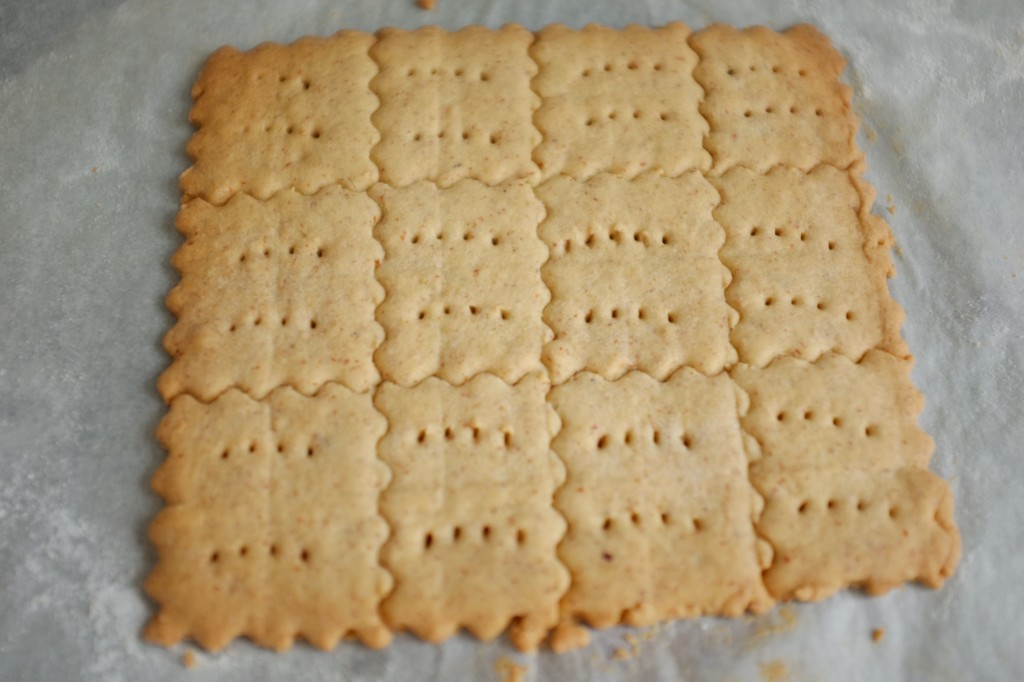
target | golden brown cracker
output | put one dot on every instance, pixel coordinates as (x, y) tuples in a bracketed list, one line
[(282, 116), (634, 275), (454, 105), (462, 275), (473, 530), (657, 500), (834, 414), (276, 292), (802, 281), (832, 529), (774, 99), (841, 464), (271, 529), (621, 101)]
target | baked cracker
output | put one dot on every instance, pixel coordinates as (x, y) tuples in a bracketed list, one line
[(774, 99), (454, 105), (802, 278), (657, 500), (283, 116), (841, 464), (271, 529), (835, 529), (473, 529), (276, 292), (622, 101), (634, 275), (834, 414), (462, 274)]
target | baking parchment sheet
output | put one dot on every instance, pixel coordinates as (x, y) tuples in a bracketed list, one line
[(93, 125)]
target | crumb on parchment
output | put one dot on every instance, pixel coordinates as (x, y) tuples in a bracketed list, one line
[(508, 670), (774, 671)]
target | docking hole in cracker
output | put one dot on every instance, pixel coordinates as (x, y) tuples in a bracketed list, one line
[(531, 333)]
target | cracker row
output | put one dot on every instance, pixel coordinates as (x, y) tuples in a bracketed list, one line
[(503, 104)]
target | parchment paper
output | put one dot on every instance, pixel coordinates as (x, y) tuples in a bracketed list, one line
[(93, 126)]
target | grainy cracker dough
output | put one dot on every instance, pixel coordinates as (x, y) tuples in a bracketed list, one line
[(508, 331)]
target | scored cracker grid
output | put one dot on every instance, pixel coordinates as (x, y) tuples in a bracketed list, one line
[(472, 233)]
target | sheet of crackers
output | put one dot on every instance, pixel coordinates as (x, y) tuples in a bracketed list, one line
[(530, 333)]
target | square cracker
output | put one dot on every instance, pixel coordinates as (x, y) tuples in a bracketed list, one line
[(283, 116), (833, 529), (634, 275), (462, 274), (834, 414), (842, 467), (454, 105), (271, 529), (774, 98), (473, 530), (623, 101), (805, 279), (276, 292), (657, 500)]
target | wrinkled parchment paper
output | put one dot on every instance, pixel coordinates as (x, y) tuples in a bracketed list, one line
[(93, 125)]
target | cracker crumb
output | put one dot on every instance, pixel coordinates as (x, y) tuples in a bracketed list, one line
[(877, 635), (568, 636), (774, 671), (634, 644), (651, 632), (427, 4), (508, 670), (624, 654), (189, 660), (785, 622)]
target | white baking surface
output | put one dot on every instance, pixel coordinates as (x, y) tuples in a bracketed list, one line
[(93, 126)]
